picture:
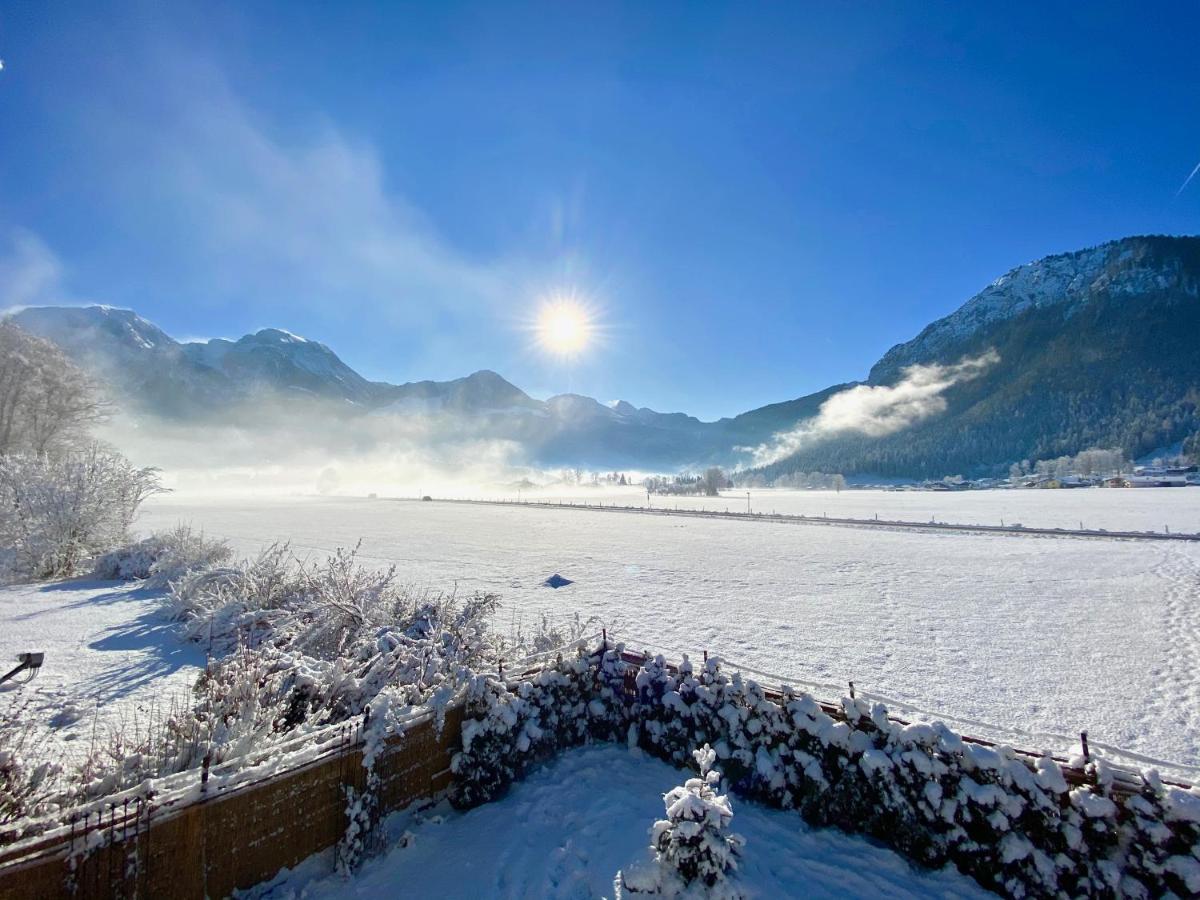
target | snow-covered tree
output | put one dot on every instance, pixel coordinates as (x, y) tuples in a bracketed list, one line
[(714, 480), (47, 404), (696, 852), (57, 511), (1191, 448)]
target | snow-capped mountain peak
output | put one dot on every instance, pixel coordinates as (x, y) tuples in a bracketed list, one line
[(1130, 267), (278, 335)]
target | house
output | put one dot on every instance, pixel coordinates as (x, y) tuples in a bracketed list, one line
[(1156, 480)]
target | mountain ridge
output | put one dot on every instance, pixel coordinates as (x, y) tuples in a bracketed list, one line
[(152, 373), (1093, 349), (1096, 349)]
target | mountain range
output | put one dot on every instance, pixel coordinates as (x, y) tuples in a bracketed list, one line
[(1093, 348)]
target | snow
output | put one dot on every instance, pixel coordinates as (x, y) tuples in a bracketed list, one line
[(1026, 639), (568, 828), (111, 659)]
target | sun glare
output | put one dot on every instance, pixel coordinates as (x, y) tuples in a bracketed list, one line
[(564, 328)]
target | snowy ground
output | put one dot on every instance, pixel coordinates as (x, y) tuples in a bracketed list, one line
[(566, 830), (1028, 639), (111, 660), (1139, 509)]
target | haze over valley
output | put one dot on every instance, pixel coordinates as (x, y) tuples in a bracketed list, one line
[(997, 381)]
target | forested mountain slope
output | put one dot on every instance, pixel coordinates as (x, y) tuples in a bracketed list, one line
[(1098, 348)]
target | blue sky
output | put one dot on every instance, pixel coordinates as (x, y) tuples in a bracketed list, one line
[(757, 199)]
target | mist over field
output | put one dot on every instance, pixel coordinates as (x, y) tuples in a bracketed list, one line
[(299, 453)]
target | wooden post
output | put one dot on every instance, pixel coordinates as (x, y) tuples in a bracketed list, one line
[(1087, 757), (852, 690)]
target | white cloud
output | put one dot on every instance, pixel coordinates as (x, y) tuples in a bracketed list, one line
[(251, 214), (30, 273), (878, 410)]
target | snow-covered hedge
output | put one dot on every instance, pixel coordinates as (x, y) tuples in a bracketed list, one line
[(1019, 830), (575, 700)]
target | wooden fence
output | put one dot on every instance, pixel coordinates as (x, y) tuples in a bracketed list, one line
[(212, 841)]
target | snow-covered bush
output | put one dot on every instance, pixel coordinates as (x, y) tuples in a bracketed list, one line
[(547, 635), (28, 780), (1018, 828), (163, 558), (222, 605), (58, 511), (37, 782), (302, 643), (696, 852)]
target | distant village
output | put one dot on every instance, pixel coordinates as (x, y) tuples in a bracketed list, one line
[(1154, 476), (1087, 469)]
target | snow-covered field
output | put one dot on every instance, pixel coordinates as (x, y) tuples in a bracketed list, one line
[(1139, 509), (566, 831), (1025, 638), (112, 660)]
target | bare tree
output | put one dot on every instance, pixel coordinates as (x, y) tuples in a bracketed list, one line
[(47, 403)]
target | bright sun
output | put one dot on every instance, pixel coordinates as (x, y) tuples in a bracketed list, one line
[(564, 328)]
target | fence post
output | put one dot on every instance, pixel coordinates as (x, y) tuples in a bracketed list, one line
[(125, 844), (852, 690), (1087, 757)]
